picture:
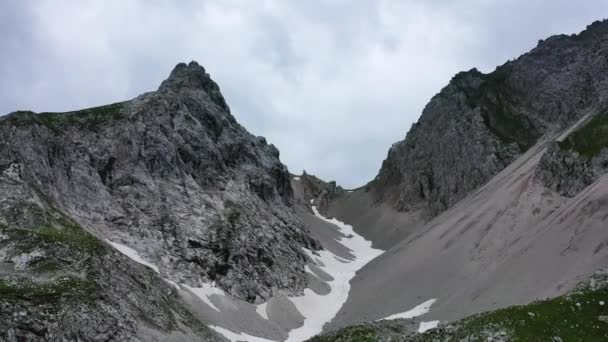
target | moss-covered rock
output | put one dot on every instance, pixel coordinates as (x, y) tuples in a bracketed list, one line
[(46, 228), (90, 118), (572, 317), (590, 139), (59, 288), (359, 333)]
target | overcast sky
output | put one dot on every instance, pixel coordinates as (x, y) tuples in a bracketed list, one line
[(331, 83)]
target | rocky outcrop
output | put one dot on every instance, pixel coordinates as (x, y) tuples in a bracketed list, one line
[(172, 175), (311, 187), (327, 194), (60, 283), (564, 171), (479, 123), (571, 165)]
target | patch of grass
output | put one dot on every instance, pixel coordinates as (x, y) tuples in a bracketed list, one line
[(359, 333), (573, 317), (590, 139), (581, 315), (51, 228), (53, 234), (47, 266), (44, 292), (90, 118)]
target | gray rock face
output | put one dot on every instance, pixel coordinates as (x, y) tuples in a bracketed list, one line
[(311, 187), (571, 165), (60, 283), (172, 175), (564, 171), (327, 194), (479, 123)]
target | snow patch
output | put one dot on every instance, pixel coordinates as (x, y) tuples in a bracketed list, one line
[(320, 309), (204, 292), (234, 337), (296, 178), (424, 326), (131, 253), (415, 312), (261, 310)]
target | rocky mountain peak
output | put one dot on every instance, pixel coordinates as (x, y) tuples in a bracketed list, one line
[(172, 175), (480, 123), (193, 76)]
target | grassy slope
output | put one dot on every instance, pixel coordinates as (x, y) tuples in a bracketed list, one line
[(590, 139), (90, 118)]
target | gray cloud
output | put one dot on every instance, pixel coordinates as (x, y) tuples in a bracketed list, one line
[(332, 83)]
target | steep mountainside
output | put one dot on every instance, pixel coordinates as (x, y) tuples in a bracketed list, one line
[(170, 176), (480, 123), (512, 241), (519, 158), (60, 283)]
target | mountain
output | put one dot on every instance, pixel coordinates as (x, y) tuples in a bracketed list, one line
[(480, 123), (170, 177), (475, 127), (162, 219), (498, 194)]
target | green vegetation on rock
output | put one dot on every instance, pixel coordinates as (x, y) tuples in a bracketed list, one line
[(90, 118), (51, 228), (574, 317), (358, 333), (45, 291), (590, 139), (581, 315)]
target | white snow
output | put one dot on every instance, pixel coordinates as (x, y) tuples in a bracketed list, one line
[(312, 200), (131, 253), (320, 309), (232, 336), (296, 178), (204, 292), (424, 326), (415, 312), (261, 310)]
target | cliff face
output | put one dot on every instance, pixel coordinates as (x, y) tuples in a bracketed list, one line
[(480, 123), (60, 283), (170, 174)]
